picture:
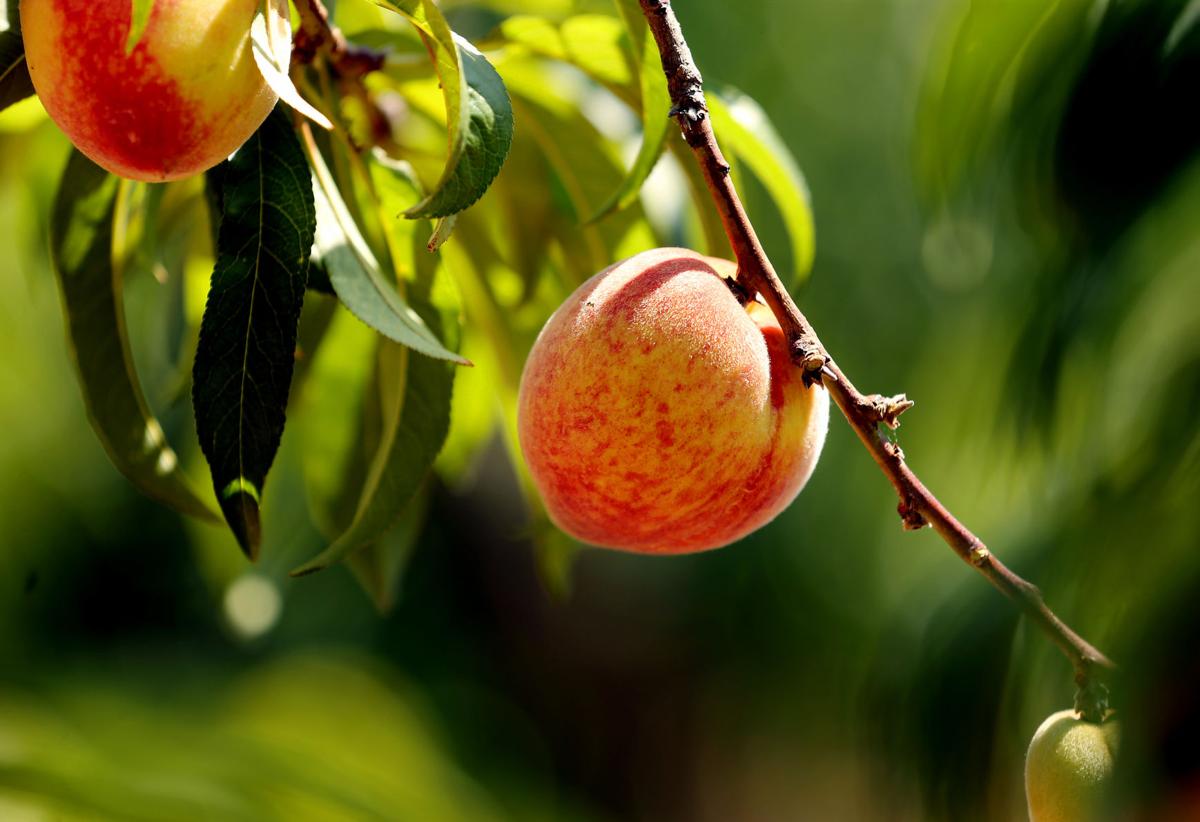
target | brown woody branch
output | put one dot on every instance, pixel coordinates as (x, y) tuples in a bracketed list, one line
[(918, 507)]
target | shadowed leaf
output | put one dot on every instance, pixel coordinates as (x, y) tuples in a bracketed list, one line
[(245, 356), (81, 230), (15, 84), (414, 391)]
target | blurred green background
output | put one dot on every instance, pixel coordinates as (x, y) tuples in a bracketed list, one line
[(1006, 198)]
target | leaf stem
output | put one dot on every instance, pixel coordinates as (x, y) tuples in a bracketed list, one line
[(918, 506)]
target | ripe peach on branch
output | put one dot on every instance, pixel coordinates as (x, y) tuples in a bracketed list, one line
[(660, 415), (186, 96)]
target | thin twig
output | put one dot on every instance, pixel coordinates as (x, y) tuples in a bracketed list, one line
[(918, 507)]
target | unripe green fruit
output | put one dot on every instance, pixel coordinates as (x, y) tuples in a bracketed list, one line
[(1069, 767), (659, 415)]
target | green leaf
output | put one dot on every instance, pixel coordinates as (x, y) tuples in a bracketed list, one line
[(15, 84), (586, 165), (415, 394), (246, 352), (590, 42), (485, 133), (331, 420), (271, 45), (416, 420), (655, 104), (138, 19), (380, 566), (743, 130), (356, 275), (479, 121), (81, 230)]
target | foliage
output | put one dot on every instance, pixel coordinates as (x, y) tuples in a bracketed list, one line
[(374, 177), (1007, 233)]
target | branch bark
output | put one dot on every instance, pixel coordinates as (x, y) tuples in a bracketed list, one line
[(918, 506)]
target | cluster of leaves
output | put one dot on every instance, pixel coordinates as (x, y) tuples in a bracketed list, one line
[(350, 236)]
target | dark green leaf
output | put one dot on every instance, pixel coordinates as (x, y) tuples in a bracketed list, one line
[(15, 84), (356, 275), (485, 132), (479, 119), (81, 248), (246, 352), (415, 393), (656, 104)]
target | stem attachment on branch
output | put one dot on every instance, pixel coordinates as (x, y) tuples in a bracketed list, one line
[(918, 507)]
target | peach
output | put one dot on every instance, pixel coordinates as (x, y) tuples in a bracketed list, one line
[(183, 100), (1068, 767), (659, 415)]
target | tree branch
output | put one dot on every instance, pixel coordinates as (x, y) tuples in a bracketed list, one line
[(918, 507)]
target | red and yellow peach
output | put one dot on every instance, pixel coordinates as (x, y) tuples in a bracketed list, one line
[(184, 99), (659, 415)]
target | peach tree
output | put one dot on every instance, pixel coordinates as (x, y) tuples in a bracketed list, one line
[(364, 226)]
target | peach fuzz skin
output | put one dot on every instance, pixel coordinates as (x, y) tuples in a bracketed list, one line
[(658, 415), (186, 97)]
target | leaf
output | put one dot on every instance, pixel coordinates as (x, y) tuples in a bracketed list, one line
[(655, 104), (139, 16), (81, 251), (743, 129), (271, 45), (356, 275), (586, 165), (330, 422), (15, 84), (246, 352), (415, 394), (479, 120), (485, 133), (380, 566), (590, 42)]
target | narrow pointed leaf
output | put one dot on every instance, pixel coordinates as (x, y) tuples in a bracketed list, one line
[(15, 84), (246, 352), (271, 45), (81, 251), (479, 120), (485, 131), (743, 130), (415, 394), (380, 566), (656, 105), (356, 275)]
